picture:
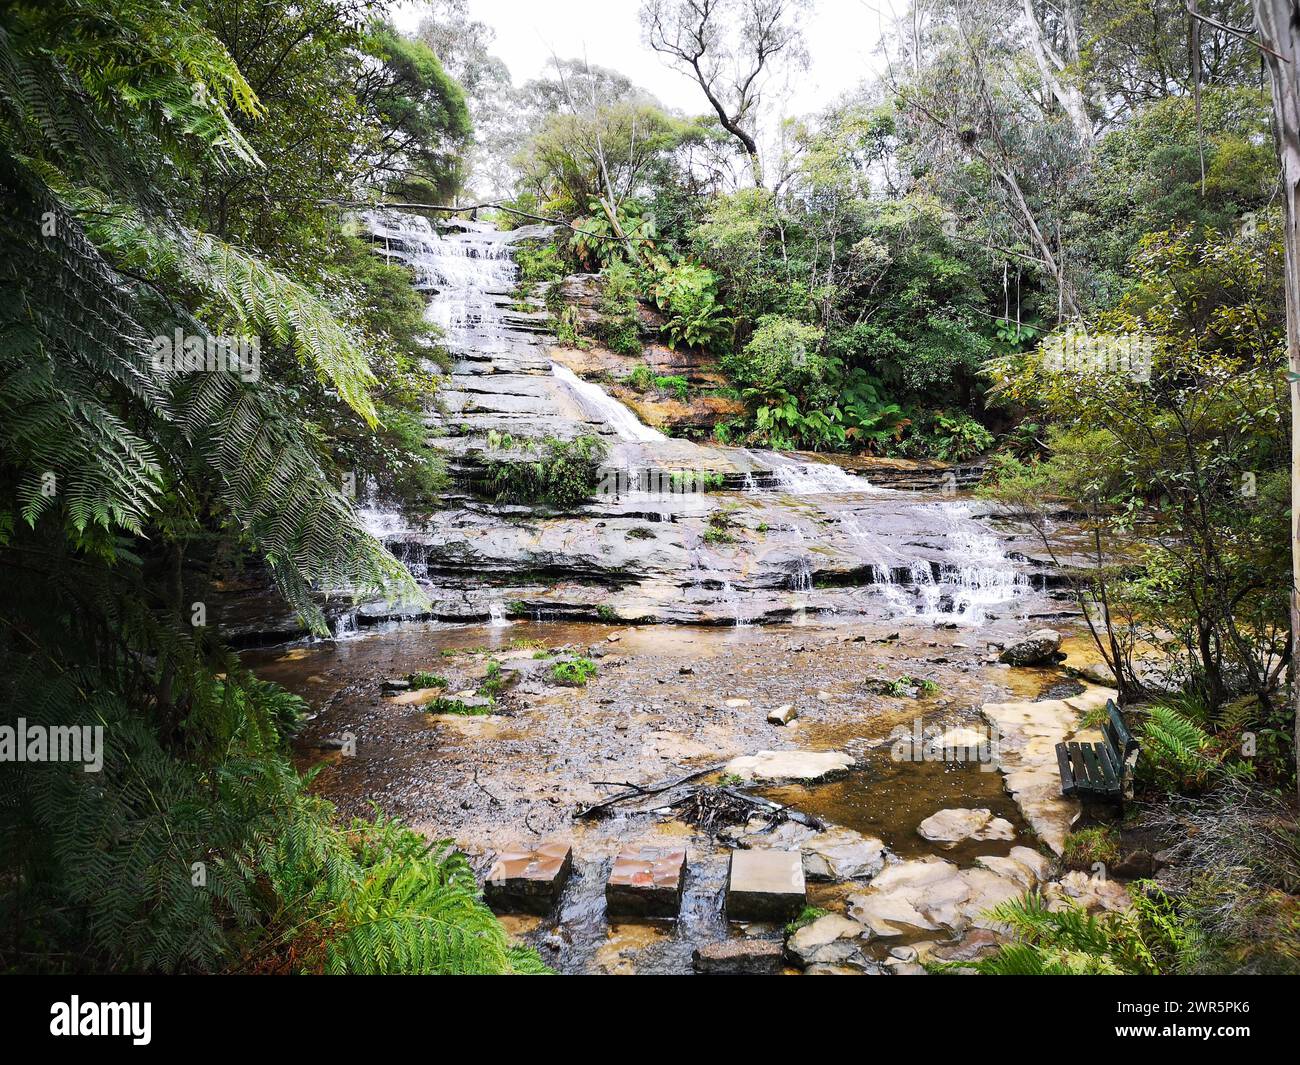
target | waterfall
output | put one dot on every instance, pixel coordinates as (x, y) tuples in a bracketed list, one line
[(799, 478), (600, 406), (946, 591), (467, 269), (497, 616)]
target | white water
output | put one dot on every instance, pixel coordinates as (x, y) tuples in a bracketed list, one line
[(962, 592), (497, 616), (600, 406), (800, 478), (468, 268)]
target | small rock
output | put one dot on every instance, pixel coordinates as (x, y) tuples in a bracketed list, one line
[(613, 637), (687, 671), (807, 946), (739, 957), (1038, 648), (396, 685), (782, 715), (737, 704)]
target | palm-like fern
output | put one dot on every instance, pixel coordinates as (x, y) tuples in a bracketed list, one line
[(1175, 748), (1065, 940), (197, 847)]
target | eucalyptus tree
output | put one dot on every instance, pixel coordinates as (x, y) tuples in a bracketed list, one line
[(730, 48)]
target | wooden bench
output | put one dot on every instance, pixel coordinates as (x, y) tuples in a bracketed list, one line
[(1100, 772)]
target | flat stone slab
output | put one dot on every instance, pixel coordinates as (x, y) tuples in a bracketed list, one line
[(791, 765), (646, 881), (528, 878), (950, 827), (930, 894), (836, 853), (1028, 733), (765, 885), (740, 957)]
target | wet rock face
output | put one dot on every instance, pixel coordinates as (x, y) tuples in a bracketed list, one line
[(1037, 649)]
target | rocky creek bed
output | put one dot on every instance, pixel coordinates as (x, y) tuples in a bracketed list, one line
[(669, 700)]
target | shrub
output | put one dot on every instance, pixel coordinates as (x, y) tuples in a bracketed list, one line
[(574, 672), (782, 356), (421, 679), (688, 295), (563, 473)]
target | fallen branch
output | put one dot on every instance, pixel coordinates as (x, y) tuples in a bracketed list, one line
[(637, 791)]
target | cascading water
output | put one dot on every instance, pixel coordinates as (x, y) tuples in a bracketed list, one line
[(960, 592), (603, 407), (467, 269), (795, 477), (924, 560)]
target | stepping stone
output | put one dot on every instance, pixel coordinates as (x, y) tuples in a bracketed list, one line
[(646, 882), (740, 957), (765, 885), (528, 878)]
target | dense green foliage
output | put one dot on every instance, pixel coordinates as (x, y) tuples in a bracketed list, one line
[(155, 188), (561, 473)]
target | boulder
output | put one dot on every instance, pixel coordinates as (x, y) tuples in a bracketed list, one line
[(1036, 649)]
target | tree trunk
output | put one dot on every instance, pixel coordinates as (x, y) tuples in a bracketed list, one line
[(1278, 22)]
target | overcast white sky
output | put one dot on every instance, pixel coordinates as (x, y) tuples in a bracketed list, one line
[(841, 36)]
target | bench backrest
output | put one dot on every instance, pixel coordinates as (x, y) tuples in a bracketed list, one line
[(1118, 737)]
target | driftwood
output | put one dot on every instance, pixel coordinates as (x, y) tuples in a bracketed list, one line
[(704, 813), (786, 813), (637, 791)]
